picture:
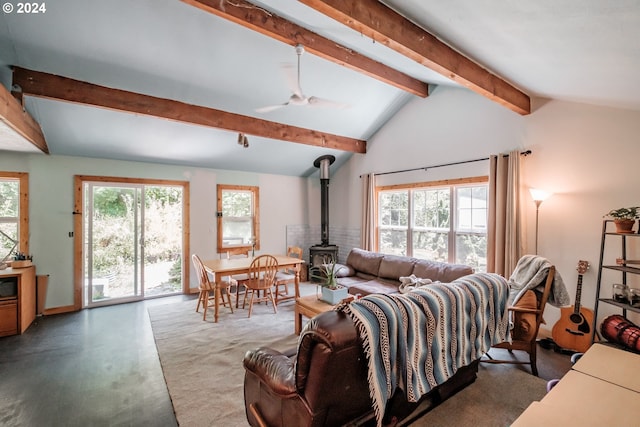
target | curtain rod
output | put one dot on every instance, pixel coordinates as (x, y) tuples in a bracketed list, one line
[(425, 168)]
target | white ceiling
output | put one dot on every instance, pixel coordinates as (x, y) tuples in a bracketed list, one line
[(576, 50)]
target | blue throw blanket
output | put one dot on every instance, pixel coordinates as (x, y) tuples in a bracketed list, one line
[(418, 340)]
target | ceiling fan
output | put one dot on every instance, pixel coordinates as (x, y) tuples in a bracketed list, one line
[(298, 97)]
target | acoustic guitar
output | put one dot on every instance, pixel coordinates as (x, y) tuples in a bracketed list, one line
[(573, 330)]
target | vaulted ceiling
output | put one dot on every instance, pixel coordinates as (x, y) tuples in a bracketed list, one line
[(175, 82)]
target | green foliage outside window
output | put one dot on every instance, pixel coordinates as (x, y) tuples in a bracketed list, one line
[(9, 197), (236, 203), (394, 209), (237, 217), (418, 222), (113, 226), (9, 211)]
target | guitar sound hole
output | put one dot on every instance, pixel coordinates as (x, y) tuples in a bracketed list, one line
[(576, 318)]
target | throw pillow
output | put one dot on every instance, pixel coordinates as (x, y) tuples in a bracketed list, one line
[(342, 270), (408, 283)]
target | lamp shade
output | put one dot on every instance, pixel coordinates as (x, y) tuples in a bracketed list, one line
[(539, 195)]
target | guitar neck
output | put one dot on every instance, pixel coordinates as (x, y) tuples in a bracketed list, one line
[(578, 294)]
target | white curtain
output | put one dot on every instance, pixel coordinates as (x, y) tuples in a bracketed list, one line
[(368, 233), (505, 240)]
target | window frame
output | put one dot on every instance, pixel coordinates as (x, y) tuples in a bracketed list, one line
[(410, 228), (78, 227), (23, 207), (239, 249)]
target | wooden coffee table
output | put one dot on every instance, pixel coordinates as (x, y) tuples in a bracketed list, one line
[(308, 306)]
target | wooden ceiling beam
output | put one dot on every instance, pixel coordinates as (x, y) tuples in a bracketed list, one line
[(44, 85), (267, 23), (15, 117), (383, 25)]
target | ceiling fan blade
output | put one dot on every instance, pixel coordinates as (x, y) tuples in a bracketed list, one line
[(314, 101), (270, 108)]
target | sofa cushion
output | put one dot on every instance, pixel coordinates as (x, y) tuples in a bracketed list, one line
[(373, 287), (366, 276), (394, 267), (364, 261), (350, 281), (440, 271)]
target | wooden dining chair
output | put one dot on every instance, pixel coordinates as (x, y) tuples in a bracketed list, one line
[(208, 290), (286, 277), (262, 277), (236, 281)]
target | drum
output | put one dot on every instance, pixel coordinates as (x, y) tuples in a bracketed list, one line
[(619, 330)]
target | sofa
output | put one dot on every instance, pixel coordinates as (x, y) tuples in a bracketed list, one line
[(367, 272), (326, 379)]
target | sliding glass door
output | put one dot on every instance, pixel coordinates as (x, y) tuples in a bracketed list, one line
[(132, 242)]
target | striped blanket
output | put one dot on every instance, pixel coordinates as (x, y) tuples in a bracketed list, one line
[(418, 340)]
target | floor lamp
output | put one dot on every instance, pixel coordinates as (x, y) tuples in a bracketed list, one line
[(538, 196)]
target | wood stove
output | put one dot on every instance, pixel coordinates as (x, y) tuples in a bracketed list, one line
[(319, 254)]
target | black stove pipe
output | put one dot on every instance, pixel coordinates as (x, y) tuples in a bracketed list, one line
[(323, 163)]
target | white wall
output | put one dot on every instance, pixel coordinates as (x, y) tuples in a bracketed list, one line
[(283, 201), (586, 155), (449, 126)]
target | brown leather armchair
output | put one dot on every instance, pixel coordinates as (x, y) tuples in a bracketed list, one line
[(325, 383)]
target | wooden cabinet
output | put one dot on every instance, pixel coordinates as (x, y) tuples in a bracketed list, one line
[(8, 317), (18, 311)]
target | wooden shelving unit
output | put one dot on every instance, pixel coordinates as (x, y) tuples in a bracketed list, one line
[(623, 269)]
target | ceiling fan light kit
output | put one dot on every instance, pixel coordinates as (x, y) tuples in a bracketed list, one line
[(298, 98)]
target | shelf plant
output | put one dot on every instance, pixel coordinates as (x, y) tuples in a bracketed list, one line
[(624, 218)]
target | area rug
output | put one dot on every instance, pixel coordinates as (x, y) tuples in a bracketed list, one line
[(202, 360), (202, 366), (497, 397)]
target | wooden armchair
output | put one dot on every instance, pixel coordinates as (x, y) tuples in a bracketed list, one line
[(526, 316)]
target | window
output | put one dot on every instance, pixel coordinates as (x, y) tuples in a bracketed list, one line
[(238, 219), (442, 221), (14, 213), (131, 237)]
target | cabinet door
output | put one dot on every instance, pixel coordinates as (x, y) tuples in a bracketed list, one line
[(8, 318)]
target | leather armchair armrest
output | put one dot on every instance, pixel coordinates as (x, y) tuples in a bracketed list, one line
[(275, 369)]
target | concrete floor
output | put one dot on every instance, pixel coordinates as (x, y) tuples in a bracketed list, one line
[(100, 367), (96, 367)]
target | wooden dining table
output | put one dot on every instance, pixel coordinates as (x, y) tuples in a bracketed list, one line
[(219, 268)]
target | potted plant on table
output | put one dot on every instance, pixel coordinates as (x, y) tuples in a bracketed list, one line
[(327, 274), (624, 218)]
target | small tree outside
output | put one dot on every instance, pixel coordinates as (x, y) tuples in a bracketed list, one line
[(113, 227)]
